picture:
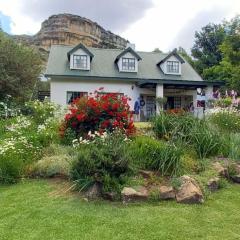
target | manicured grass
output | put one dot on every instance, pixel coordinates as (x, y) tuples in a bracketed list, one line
[(28, 210)]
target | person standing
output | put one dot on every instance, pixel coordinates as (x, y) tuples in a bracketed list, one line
[(137, 110)]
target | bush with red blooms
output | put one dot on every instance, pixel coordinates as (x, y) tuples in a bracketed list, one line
[(98, 112)]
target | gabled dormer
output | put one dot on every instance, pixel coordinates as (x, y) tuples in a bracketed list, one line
[(127, 60), (80, 58), (172, 63)]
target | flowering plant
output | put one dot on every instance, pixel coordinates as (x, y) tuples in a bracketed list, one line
[(98, 112)]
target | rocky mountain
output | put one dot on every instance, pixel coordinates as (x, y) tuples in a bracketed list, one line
[(68, 29)]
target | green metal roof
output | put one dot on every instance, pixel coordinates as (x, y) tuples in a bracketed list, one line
[(103, 66)]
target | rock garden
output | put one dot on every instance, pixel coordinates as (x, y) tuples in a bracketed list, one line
[(96, 147)]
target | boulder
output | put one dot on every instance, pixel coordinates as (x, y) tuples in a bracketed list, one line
[(131, 195), (94, 191), (222, 171), (166, 193), (236, 178), (213, 184), (189, 191), (111, 196)]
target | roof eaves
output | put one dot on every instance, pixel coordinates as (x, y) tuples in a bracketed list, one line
[(129, 49), (173, 53), (80, 45)]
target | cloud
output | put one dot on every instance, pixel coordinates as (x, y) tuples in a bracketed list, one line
[(113, 15), (185, 36)]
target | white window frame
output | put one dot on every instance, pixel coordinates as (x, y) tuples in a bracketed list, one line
[(82, 65), (173, 67), (75, 94), (126, 61)]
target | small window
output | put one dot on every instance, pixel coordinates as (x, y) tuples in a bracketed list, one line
[(172, 67), (128, 64), (80, 61), (73, 95)]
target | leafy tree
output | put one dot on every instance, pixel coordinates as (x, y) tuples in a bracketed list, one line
[(229, 67), (184, 54), (157, 50), (206, 47), (20, 67)]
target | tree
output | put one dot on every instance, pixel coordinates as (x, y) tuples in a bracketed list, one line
[(206, 47), (181, 51), (229, 67), (20, 67), (157, 50)]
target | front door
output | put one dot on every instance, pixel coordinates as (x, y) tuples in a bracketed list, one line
[(150, 106)]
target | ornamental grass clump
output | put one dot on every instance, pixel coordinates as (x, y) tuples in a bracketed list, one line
[(97, 112)]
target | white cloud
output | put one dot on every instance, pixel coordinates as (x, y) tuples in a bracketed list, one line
[(173, 23)]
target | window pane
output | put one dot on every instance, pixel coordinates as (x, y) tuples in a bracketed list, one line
[(172, 66), (73, 95), (80, 61), (128, 64)]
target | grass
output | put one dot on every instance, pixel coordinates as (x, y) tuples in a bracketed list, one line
[(30, 211)]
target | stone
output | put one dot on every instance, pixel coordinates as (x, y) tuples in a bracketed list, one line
[(131, 195), (213, 184), (189, 191), (236, 178), (111, 196), (146, 174), (166, 192), (94, 191), (222, 171)]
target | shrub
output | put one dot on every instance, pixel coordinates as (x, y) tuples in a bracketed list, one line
[(51, 166), (226, 120), (40, 111), (98, 112), (104, 161), (234, 146), (156, 155), (206, 141)]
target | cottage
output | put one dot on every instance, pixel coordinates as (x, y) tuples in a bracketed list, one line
[(78, 71)]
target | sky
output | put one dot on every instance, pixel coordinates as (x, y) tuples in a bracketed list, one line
[(149, 24)]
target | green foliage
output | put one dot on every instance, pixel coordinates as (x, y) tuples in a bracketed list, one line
[(151, 154), (226, 120), (206, 47), (20, 67), (234, 146), (189, 130), (105, 161), (22, 139)]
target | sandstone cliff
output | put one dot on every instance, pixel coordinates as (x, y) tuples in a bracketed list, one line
[(68, 29)]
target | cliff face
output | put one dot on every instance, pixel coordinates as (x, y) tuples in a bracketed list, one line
[(68, 29)]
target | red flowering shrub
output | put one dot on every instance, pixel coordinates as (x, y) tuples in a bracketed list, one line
[(98, 112)]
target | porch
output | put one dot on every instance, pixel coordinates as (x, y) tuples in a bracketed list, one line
[(179, 96)]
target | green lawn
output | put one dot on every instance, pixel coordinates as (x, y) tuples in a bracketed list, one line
[(29, 211)]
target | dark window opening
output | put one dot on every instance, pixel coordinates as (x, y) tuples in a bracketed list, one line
[(74, 95)]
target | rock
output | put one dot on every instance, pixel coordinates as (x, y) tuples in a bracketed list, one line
[(146, 174), (236, 178), (189, 191), (111, 196), (167, 193), (131, 195), (94, 192), (213, 184), (69, 29), (222, 171)]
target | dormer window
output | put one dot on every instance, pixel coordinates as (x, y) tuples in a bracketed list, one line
[(80, 61), (128, 64), (172, 67), (80, 58)]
